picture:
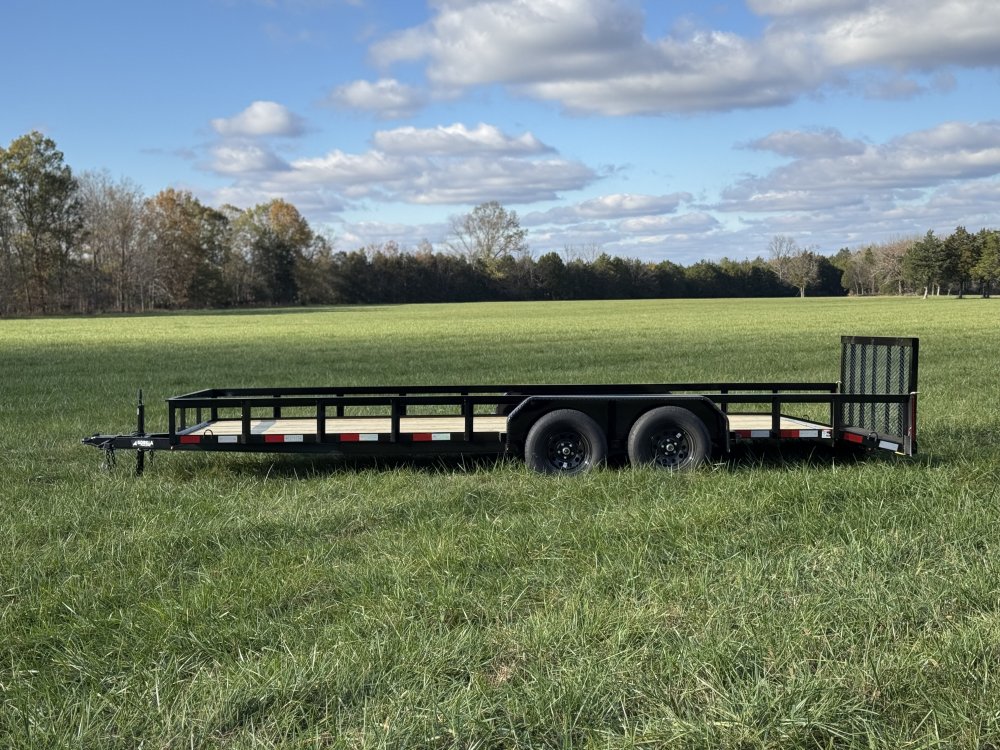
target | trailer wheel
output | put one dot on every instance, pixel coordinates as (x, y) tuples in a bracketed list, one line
[(668, 438), (565, 441)]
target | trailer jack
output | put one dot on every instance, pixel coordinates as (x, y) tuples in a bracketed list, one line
[(138, 440)]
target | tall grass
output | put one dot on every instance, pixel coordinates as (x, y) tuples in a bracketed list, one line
[(256, 601)]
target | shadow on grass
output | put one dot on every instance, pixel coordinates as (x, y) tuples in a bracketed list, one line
[(312, 466), (742, 458), (215, 312)]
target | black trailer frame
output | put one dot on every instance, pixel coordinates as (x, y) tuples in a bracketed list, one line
[(873, 405)]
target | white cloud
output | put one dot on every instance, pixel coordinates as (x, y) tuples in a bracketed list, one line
[(386, 98), (473, 180), (454, 165), (921, 160), (686, 224), (594, 55), (244, 158), (260, 119), (912, 34), (804, 7), (622, 223), (352, 235), (345, 170), (456, 140), (615, 206), (517, 40), (466, 180), (803, 144)]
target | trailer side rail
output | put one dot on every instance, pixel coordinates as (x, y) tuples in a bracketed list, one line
[(191, 417)]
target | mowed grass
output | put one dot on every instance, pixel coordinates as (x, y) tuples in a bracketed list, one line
[(254, 601)]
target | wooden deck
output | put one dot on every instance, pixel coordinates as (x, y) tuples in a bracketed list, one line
[(738, 423)]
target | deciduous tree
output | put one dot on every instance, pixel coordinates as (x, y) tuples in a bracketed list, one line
[(188, 244), (113, 241), (40, 221), (796, 266), (275, 240), (488, 235)]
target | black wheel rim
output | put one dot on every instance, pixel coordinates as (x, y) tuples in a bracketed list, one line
[(671, 448), (567, 451)]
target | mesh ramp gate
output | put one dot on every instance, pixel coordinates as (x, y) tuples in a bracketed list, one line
[(885, 367)]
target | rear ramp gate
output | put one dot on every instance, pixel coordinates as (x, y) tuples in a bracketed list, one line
[(878, 385)]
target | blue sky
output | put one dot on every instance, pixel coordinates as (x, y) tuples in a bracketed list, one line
[(662, 130)]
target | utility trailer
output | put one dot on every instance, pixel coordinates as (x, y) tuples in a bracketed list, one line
[(558, 429)]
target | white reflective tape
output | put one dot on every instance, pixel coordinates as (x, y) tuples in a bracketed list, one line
[(229, 439), (368, 437), (440, 436), (760, 433), (293, 438), (888, 446), (808, 433)]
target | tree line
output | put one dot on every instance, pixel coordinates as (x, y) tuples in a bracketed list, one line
[(960, 263), (90, 244)]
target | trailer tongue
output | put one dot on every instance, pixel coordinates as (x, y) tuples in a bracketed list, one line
[(558, 429)]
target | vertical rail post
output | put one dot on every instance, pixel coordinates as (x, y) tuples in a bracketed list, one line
[(394, 420), (140, 429), (245, 417), (468, 412)]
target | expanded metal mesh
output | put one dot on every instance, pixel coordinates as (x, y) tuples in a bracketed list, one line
[(877, 367)]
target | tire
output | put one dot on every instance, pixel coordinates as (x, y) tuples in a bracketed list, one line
[(566, 442), (669, 438)]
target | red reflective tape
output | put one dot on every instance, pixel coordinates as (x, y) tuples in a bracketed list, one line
[(742, 433), (852, 438), (190, 438), (350, 437), (274, 438), (422, 437), (789, 433)]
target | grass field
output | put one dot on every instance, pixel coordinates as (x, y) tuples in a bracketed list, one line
[(251, 601)]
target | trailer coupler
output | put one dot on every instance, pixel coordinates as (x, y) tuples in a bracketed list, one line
[(139, 441)]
